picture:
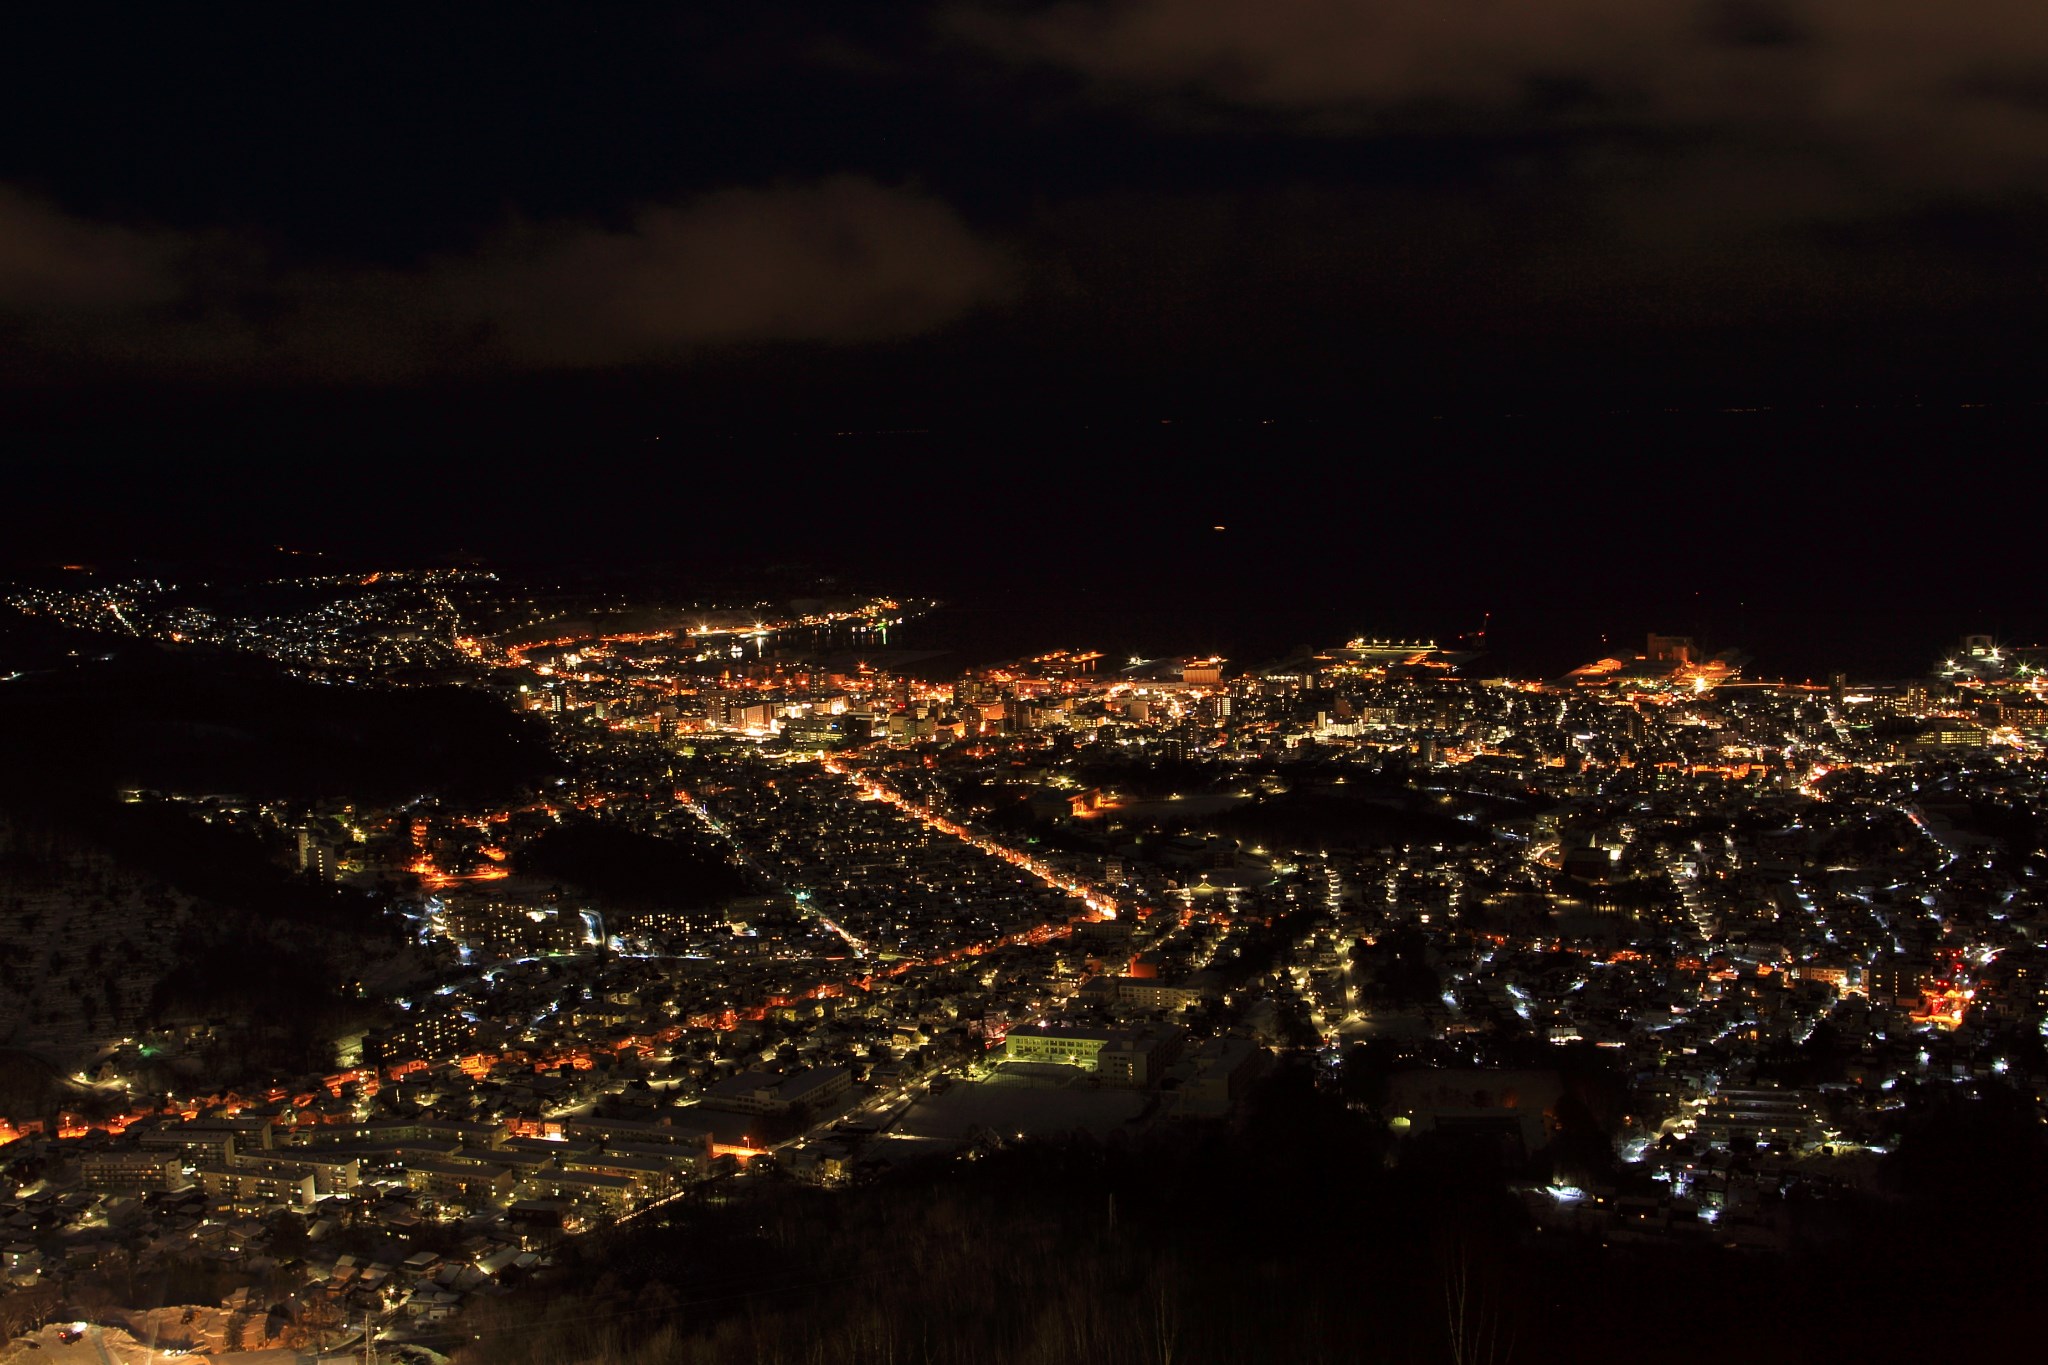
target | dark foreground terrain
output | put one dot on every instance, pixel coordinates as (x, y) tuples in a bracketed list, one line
[(1297, 1235)]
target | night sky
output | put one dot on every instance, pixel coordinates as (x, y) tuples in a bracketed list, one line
[(1444, 294)]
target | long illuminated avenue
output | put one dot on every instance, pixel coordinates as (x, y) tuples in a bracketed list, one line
[(873, 788), (771, 895)]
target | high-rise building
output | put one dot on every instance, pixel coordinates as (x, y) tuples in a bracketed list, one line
[(318, 858)]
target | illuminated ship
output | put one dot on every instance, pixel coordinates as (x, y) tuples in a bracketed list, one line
[(1413, 657)]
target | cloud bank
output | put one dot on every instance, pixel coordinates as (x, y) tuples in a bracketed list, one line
[(1950, 95), (840, 261)]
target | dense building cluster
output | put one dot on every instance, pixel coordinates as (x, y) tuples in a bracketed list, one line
[(365, 623), (909, 915)]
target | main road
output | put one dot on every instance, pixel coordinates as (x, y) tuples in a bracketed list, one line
[(873, 788)]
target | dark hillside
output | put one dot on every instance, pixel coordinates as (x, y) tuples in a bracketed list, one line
[(1288, 1239), (194, 722)]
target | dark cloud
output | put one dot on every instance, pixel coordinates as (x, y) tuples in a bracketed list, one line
[(53, 263), (1306, 54), (1231, 197), (1936, 96), (842, 261)]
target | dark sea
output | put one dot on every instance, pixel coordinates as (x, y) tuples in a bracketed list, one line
[(1813, 539)]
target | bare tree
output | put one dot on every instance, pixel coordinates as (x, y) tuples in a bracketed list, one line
[(316, 1315), (1472, 1310), (1163, 1315), (25, 1310)]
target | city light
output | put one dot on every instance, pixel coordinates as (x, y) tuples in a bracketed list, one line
[(789, 871)]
